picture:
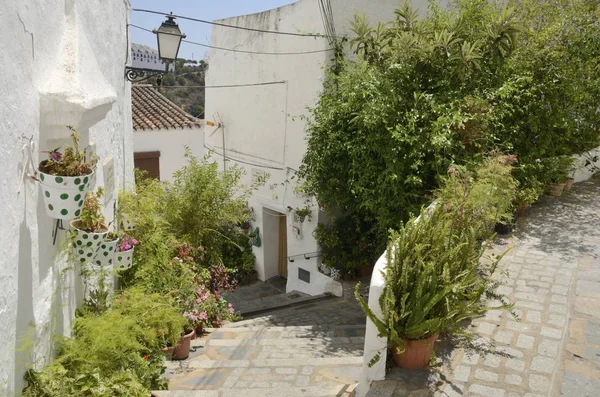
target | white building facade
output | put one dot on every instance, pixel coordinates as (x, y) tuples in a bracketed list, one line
[(145, 57), (63, 64), (161, 132), (262, 126)]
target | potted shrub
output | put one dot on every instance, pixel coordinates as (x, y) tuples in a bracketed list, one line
[(434, 279), (429, 290), (182, 350), (124, 251), (558, 170), (65, 178), (571, 170), (89, 229)]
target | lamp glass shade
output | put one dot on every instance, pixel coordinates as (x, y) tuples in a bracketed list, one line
[(169, 38), (168, 45)]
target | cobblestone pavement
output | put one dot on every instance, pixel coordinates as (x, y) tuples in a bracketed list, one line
[(552, 274), (313, 349)]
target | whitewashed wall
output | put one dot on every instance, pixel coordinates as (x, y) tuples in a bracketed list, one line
[(62, 63), (171, 145), (263, 124)]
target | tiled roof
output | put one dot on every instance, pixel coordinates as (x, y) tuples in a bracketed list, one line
[(151, 110)]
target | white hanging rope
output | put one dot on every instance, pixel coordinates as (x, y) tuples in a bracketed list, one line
[(28, 168)]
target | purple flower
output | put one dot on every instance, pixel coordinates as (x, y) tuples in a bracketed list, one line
[(55, 155)]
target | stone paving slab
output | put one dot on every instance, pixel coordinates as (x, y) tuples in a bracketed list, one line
[(310, 350), (552, 275)]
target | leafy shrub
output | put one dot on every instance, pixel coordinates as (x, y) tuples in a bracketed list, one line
[(117, 353), (435, 277), (423, 94)]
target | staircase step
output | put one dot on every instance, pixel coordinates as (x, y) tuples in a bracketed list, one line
[(279, 302), (276, 362), (310, 391), (285, 342)]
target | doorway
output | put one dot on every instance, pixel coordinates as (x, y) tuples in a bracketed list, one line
[(274, 243), (283, 255)]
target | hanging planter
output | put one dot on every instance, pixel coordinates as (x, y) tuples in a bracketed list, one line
[(255, 238), (126, 224), (86, 243), (63, 195), (106, 252), (124, 252), (65, 178), (89, 230)]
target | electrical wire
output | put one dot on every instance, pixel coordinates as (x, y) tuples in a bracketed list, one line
[(242, 161), (243, 51), (258, 52), (225, 86), (233, 26)]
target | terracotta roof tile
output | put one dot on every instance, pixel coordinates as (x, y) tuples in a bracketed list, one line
[(151, 110)]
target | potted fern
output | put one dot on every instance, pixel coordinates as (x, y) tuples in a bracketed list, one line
[(434, 278), (432, 283), (65, 178), (89, 229)]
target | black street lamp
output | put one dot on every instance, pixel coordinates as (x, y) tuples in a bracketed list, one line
[(168, 37)]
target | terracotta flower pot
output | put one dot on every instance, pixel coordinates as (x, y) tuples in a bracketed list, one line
[(182, 350), (557, 189), (521, 212), (64, 195), (569, 184), (417, 353), (365, 271)]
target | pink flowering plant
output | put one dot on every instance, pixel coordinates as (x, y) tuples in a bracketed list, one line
[(208, 309), (126, 243)]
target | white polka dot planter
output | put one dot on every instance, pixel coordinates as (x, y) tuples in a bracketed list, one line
[(124, 259), (126, 224), (105, 254), (85, 244), (64, 195)]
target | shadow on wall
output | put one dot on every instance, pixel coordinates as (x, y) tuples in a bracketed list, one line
[(25, 322)]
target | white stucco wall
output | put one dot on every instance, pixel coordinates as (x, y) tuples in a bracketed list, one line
[(61, 63), (263, 124), (171, 145)]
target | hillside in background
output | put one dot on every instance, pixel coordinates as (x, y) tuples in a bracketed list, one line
[(181, 87)]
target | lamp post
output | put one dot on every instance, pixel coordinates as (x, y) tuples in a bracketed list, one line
[(168, 37)]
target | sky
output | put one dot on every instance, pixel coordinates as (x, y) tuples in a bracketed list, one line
[(201, 9)]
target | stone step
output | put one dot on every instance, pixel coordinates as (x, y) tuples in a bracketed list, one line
[(269, 304), (283, 341), (310, 391), (250, 325), (337, 376), (276, 362)]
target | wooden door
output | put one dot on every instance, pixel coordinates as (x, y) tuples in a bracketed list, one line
[(283, 260), (149, 162)]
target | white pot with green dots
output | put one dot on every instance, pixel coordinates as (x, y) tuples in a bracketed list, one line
[(105, 254), (85, 244), (124, 259), (64, 195)]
